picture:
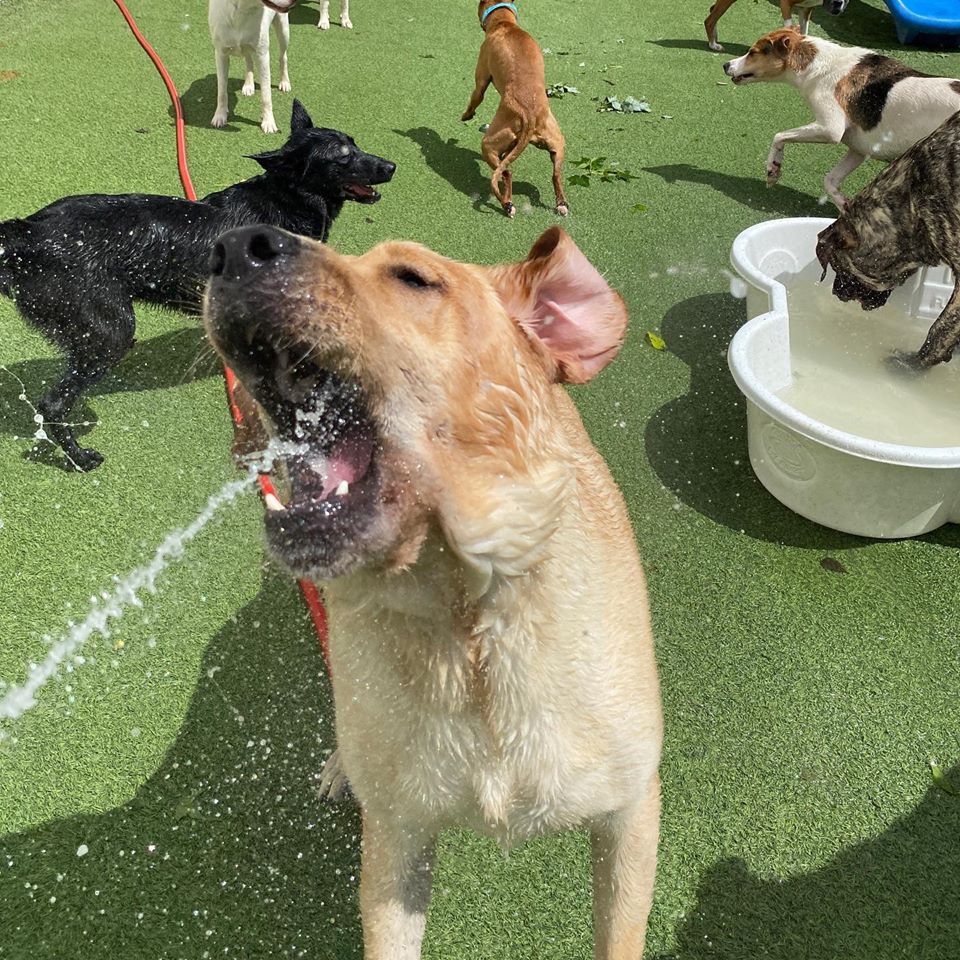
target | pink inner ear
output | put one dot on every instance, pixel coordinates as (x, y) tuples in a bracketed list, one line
[(575, 314)]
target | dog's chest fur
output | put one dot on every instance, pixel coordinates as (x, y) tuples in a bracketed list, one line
[(471, 721)]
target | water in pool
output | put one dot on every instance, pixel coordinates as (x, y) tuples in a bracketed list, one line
[(843, 375)]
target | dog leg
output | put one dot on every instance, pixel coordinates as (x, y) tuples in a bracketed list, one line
[(476, 98), (324, 23), (267, 123), (624, 863), (282, 27), (944, 335), (498, 141), (710, 24), (249, 86), (832, 181), (395, 880), (829, 130), (334, 784), (345, 14), (223, 76), (553, 142)]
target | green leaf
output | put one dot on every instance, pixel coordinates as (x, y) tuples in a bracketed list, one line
[(940, 779), (639, 208), (579, 180), (655, 340)]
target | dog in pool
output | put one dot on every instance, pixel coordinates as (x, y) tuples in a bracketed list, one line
[(490, 639), (906, 219), (75, 267)]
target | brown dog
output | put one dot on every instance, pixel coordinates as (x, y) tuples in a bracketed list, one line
[(804, 9), (490, 639), (511, 59)]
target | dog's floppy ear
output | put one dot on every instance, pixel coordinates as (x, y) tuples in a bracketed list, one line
[(563, 302), (840, 235), (300, 119)]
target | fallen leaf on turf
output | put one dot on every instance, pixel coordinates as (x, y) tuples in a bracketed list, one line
[(639, 208), (940, 779), (579, 180), (665, 116), (559, 89), (186, 807), (8, 75), (656, 341), (833, 565), (484, 127)]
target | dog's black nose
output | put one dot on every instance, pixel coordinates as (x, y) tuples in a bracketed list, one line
[(240, 252), (388, 169)]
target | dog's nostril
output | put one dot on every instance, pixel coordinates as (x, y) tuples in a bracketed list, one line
[(218, 259), (266, 246)]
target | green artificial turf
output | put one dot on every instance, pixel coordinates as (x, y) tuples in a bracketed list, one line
[(802, 704)]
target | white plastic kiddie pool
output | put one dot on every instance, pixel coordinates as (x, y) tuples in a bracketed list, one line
[(846, 482)]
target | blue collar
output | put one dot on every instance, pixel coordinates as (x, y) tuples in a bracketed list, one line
[(497, 6)]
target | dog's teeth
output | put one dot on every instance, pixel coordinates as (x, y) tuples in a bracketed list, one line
[(273, 503), (343, 489)]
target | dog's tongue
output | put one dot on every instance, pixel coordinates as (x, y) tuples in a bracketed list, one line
[(348, 462), (360, 190)]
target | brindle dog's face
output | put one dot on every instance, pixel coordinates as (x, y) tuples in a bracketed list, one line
[(868, 255)]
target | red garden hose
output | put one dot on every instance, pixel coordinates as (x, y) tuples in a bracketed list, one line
[(310, 593)]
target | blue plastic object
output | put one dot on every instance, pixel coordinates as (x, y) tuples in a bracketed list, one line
[(916, 18)]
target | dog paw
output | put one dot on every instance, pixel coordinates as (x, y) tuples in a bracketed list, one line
[(219, 119), (248, 89), (774, 172), (269, 125), (333, 784), (85, 459), (324, 23), (903, 362), (346, 23), (284, 86), (510, 210), (469, 115), (715, 46), (562, 209)]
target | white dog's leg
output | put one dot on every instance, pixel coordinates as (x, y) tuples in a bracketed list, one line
[(262, 57), (248, 85), (624, 863), (832, 181), (223, 77), (282, 26), (820, 131), (345, 14), (324, 23), (395, 880)]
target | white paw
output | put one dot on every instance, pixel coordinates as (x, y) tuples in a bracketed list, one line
[(333, 781), (219, 119), (324, 23), (269, 125), (248, 88), (346, 22), (284, 86)]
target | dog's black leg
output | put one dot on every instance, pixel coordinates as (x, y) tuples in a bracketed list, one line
[(89, 359)]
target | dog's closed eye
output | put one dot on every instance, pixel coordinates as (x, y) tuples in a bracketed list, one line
[(413, 279)]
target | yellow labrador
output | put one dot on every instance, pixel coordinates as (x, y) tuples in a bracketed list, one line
[(492, 658)]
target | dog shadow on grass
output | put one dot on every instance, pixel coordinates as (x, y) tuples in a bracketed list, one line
[(226, 850), (895, 896), (199, 101), (461, 168), (730, 49), (750, 191)]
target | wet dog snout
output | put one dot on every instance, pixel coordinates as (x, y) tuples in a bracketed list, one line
[(247, 250)]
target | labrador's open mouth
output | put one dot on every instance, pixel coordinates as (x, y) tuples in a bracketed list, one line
[(334, 480), (361, 192)]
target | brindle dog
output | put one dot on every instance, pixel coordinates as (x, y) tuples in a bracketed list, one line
[(907, 218)]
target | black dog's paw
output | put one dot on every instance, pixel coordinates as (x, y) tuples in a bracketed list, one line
[(85, 459), (904, 363)]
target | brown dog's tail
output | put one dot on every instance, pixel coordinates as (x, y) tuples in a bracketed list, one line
[(522, 142)]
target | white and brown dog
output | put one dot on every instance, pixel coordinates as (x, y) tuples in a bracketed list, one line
[(876, 106), (241, 28), (490, 640), (802, 8)]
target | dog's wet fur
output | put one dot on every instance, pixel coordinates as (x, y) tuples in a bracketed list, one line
[(75, 267), (907, 218)]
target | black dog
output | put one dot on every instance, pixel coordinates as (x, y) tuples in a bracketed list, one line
[(75, 267), (907, 218)]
